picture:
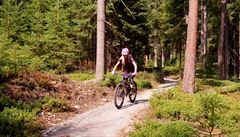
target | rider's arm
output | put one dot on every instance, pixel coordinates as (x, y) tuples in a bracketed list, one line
[(135, 65), (115, 67)]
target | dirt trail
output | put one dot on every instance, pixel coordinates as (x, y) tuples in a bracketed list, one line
[(105, 121)]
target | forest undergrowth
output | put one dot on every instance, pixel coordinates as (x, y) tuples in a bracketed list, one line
[(213, 110), (33, 101)]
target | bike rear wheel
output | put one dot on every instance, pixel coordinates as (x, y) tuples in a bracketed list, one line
[(132, 97), (119, 95)]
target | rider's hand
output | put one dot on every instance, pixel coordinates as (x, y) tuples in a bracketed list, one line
[(134, 74), (113, 72)]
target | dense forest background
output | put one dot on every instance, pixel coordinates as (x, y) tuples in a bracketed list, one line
[(60, 35), (49, 47)]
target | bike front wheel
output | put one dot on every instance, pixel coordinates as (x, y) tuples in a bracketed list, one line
[(133, 95), (119, 95)]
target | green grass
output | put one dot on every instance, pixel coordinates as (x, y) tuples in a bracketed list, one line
[(156, 129), (221, 86), (81, 76)]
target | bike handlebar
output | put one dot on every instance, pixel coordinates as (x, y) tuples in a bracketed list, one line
[(124, 76)]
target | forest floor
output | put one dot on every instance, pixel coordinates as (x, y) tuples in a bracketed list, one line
[(91, 96), (78, 96)]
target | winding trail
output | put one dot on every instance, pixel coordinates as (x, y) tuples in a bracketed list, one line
[(105, 121)]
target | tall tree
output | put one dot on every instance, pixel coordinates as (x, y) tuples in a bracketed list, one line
[(221, 54), (191, 44), (226, 49), (100, 39), (203, 33), (166, 18)]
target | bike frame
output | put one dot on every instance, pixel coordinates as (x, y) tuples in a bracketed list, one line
[(126, 81)]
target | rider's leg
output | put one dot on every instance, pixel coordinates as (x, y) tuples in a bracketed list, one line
[(125, 74)]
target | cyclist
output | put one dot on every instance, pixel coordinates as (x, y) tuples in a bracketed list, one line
[(127, 62)]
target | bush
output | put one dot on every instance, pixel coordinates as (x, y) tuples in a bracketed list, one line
[(17, 117), (221, 86), (229, 89), (141, 84), (171, 70), (174, 104), (172, 67), (15, 58), (229, 121), (209, 73), (148, 128), (4, 102), (177, 129), (211, 107), (156, 129), (54, 104), (210, 110), (81, 76), (144, 80), (14, 122), (111, 80)]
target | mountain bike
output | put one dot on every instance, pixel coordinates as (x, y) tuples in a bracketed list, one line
[(126, 87)]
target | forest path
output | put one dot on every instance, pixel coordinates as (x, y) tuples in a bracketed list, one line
[(106, 120)]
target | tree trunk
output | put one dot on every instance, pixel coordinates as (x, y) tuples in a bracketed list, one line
[(171, 52), (100, 39), (238, 45), (180, 63), (226, 50), (157, 50), (203, 34), (155, 56), (236, 51), (146, 59), (191, 44), (163, 58), (221, 41)]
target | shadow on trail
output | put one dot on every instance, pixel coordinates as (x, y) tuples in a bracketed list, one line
[(171, 82), (136, 102), (170, 85)]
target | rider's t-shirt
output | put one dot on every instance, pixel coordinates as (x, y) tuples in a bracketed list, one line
[(128, 65)]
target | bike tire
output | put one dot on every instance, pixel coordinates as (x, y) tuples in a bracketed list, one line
[(133, 96), (119, 95)]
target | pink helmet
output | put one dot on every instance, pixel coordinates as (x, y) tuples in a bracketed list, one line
[(125, 51)]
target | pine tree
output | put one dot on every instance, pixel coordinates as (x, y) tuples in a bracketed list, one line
[(100, 39), (191, 44), (15, 56)]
